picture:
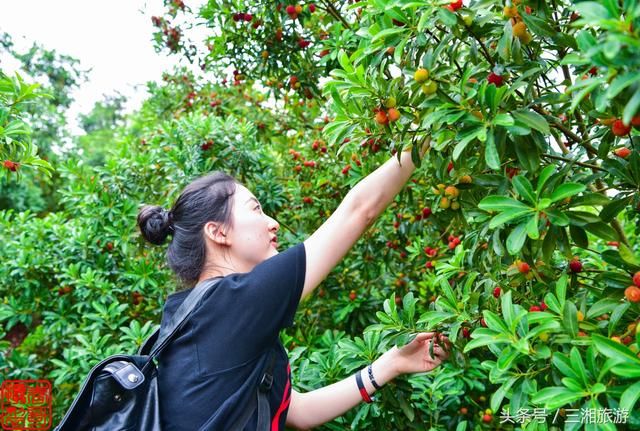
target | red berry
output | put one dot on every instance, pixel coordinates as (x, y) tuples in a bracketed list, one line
[(636, 278), (487, 418), (312, 8), (430, 265), (495, 79), (622, 152), (345, 170), (619, 129), (575, 266), (524, 267), (449, 167), (483, 323), (543, 306), (307, 200), (352, 295), (535, 308), (248, 17), (426, 212), (455, 5), (12, 166), (466, 333), (496, 292), (291, 9)]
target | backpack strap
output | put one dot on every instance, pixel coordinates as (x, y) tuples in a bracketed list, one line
[(159, 339), (264, 411), (266, 382)]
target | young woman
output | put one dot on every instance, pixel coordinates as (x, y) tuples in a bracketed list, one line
[(209, 373)]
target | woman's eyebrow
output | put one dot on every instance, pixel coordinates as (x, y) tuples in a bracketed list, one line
[(253, 199)]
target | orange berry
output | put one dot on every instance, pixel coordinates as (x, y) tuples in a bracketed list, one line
[(632, 293), (382, 118), (393, 114)]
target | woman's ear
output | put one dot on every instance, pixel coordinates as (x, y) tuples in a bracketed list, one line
[(216, 233)]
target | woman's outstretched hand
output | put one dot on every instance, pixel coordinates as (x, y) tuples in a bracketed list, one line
[(415, 357)]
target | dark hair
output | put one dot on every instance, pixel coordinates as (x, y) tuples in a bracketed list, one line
[(205, 199)]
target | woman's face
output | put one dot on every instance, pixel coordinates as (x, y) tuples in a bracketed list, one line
[(253, 233)]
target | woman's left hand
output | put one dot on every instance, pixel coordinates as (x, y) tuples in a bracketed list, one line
[(415, 356)]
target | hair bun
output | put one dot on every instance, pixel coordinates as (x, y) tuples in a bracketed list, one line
[(155, 223)]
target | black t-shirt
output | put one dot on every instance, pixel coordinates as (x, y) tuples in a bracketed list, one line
[(209, 371)]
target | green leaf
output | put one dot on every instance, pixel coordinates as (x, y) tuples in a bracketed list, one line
[(532, 227), (494, 322), (503, 120), (344, 61), (386, 33), (573, 384), (485, 341), (566, 190), (627, 255), (516, 239), (506, 216), (570, 318), (533, 120), (446, 17), (507, 358), (631, 108), (538, 26), (561, 289), (578, 365), (611, 210), (524, 188), (602, 230), (579, 236), (592, 11), (621, 82), (557, 218), (464, 137), (629, 371), (630, 397), (544, 176), (563, 364), (501, 203), (611, 349), (555, 397), (491, 151), (498, 395)]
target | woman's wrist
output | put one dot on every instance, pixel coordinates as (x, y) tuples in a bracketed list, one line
[(383, 370)]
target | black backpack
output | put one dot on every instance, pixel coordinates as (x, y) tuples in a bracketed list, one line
[(121, 392)]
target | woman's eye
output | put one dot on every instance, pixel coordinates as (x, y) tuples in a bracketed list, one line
[(258, 208)]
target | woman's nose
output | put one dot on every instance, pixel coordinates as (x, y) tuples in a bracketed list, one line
[(273, 224)]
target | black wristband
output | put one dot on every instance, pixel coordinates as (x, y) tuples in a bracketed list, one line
[(373, 381)]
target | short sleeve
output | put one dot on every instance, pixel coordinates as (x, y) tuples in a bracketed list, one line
[(272, 290), (247, 311)]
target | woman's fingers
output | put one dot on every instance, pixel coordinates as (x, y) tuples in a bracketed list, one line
[(423, 336)]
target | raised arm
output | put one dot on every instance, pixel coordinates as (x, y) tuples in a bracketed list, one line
[(360, 207)]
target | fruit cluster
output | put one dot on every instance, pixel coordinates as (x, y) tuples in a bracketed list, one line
[(449, 197)]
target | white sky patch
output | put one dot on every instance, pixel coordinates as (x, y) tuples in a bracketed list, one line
[(113, 39)]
